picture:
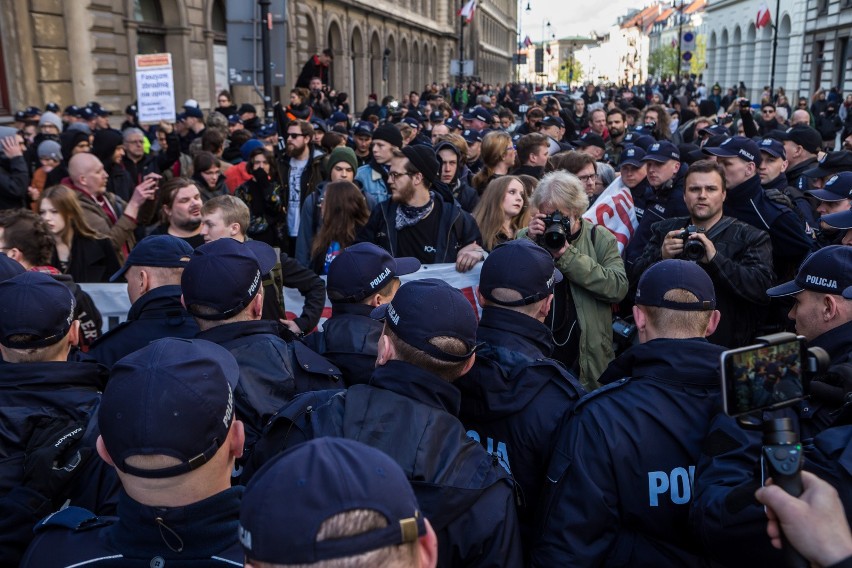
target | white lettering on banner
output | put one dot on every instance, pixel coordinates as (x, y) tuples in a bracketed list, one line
[(614, 210), (113, 304), (679, 484)]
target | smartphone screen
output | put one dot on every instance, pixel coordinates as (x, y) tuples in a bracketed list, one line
[(763, 377)]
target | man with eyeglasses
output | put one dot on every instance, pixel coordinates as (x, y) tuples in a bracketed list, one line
[(300, 170), (768, 120), (14, 174), (139, 164)]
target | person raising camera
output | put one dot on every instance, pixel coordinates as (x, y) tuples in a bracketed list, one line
[(737, 256), (581, 315)]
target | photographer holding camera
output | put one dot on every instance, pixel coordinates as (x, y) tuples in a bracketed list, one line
[(737, 256), (587, 255)]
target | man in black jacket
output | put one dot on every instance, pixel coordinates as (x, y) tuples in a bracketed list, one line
[(14, 174), (515, 396), (48, 402), (737, 256), (152, 271), (361, 278), (421, 223)]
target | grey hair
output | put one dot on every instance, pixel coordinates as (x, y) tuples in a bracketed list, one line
[(130, 131), (563, 191)]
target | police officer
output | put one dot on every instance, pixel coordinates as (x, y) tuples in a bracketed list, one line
[(48, 438), (335, 499), (362, 277), (408, 411), (514, 397), (222, 290), (834, 197), (168, 428), (619, 483), (152, 270)]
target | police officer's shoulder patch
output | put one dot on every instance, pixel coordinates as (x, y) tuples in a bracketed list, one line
[(73, 518), (598, 392)]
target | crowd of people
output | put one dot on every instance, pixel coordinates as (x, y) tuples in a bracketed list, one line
[(568, 412)]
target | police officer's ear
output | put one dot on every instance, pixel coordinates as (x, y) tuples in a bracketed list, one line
[(234, 230), (386, 351), (256, 305), (427, 546), (102, 451), (715, 317), (545, 306), (73, 335), (237, 438)]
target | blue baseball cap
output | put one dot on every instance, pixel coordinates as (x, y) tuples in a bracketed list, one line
[(478, 113), (411, 121), (837, 188), (521, 266), (363, 269), (631, 156), (661, 152), (830, 164), (289, 499), (52, 107), (590, 139), (86, 113), (363, 127), (225, 275), (552, 121), (9, 268), (163, 251), (173, 397), (715, 130), (773, 148), (470, 135), (675, 274), (234, 119), (828, 270), (35, 305), (429, 308), (267, 130), (842, 220), (641, 140), (337, 116), (436, 116), (193, 111), (736, 147), (453, 123)]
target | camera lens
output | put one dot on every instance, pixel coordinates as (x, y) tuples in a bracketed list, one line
[(554, 237), (694, 250)]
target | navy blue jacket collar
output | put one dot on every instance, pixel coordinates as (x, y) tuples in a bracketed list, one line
[(837, 342), (779, 183), (350, 308), (514, 330), (678, 361), (742, 193), (49, 375), (158, 298), (235, 330), (413, 382)]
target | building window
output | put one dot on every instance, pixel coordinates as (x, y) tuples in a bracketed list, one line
[(151, 33), (822, 7)]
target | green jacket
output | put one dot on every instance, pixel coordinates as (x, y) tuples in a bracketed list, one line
[(598, 280)]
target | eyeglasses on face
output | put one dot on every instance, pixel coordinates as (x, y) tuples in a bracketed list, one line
[(396, 175), (294, 135), (588, 179)]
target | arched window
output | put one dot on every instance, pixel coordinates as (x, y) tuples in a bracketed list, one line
[(151, 33)]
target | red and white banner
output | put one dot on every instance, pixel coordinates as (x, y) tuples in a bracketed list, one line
[(614, 209), (764, 17)]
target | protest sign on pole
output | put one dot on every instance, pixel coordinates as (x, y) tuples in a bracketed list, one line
[(155, 88)]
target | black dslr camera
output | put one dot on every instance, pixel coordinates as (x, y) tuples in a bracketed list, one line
[(556, 230), (693, 249)]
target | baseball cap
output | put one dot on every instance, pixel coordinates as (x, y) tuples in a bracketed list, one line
[(641, 140), (428, 308), (9, 268), (841, 220), (192, 111), (661, 152), (157, 250), (773, 148), (831, 163), (436, 116), (363, 269), (225, 275), (71, 109), (552, 121), (715, 130), (289, 499), (191, 103), (837, 188), (363, 127), (234, 119), (478, 113), (173, 397), (317, 123), (267, 130), (52, 107), (805, 136), (31, 111), (828, 270), (522, 266), (337, 116), (631, 156), (86, 113), (590, 139), (470, 135), (35, 305), (675, 274), (411, 121), (736, 147)]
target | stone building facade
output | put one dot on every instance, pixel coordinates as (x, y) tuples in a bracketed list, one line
[(827, 54)]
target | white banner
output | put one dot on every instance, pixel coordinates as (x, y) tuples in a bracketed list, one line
[(155, 88), (113, 303), (614, 210)]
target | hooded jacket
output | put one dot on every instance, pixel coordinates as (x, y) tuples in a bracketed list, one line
[(120, 181), (619, 483), (349, 339)]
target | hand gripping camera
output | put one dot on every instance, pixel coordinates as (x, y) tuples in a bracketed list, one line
[(693, 249), (556, 230)]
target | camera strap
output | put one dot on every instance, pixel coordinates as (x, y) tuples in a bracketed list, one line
[(717, 229)]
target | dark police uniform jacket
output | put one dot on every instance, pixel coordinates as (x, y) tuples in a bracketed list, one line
[(200, 534), (513, 400), (272, 370), (741, 272), (620, 480), (156, 314), (350, 340), (456, 229), (410, 414)]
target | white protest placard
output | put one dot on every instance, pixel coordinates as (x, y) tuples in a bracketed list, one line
[(155, 88), (614, 209)]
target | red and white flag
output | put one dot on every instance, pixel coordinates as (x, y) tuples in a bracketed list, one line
[(467, 11), (527, 41), (763, 16)]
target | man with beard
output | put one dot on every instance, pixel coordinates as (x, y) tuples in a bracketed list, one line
[(300, 170), (374, 176), (181, 211), (418, 222), (616, 123), (736, 255)]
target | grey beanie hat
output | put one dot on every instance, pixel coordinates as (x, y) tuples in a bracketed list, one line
[(50, 149), (51, 118), (6, 131)]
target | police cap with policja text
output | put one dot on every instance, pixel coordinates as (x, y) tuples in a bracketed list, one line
[(363, 269), (828, 270)]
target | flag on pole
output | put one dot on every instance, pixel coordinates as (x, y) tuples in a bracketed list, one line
[(763, 16), (527, 41), (467, 11)]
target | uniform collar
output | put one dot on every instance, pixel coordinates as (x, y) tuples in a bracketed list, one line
[(413, 382), (499, 326)]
